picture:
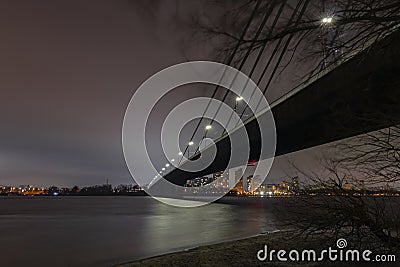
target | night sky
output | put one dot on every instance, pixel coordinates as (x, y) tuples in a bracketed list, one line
[(68, 70)]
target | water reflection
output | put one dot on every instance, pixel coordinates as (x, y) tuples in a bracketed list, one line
[(93, 231)]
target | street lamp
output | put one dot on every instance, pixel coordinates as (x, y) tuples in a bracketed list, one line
[(208, 127), (163, 169), (190, 144), (327, 20), (238, 99), (167, 165), (172, 160)]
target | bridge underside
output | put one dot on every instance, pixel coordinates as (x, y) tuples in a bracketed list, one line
[(359, 96)]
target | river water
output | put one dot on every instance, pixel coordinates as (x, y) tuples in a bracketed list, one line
[(102, 231)]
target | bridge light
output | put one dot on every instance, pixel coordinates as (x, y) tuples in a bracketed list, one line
[(327, 20), (180, 153), (238, 99), (190, 143), (172, 160), (163, 169), (208, 127), (167, 165)]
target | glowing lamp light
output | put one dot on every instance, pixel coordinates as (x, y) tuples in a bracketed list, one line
[(327, 20), (208, 127), (191, 143)]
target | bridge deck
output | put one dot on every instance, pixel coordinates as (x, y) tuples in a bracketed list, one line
[(359, 96)]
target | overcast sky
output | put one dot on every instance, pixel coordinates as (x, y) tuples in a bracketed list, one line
[(68, 70)]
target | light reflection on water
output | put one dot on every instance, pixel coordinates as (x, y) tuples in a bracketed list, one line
[(93, 231)]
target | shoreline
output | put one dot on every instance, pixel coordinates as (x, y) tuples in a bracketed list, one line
[(217, 254), (196, 247), (164, 258), (243, 252)]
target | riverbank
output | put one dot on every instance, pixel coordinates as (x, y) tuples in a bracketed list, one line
[(244, 253)]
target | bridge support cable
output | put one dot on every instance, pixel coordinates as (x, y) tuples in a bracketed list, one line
[(280, 56), (230, 59), (244, 59), (249, 50), (260, 53)]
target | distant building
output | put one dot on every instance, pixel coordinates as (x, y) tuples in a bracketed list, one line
[(239, 187), (295, 184), (255, 183), (238, 175), (217, 175), (200, 181), (247, 187)]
